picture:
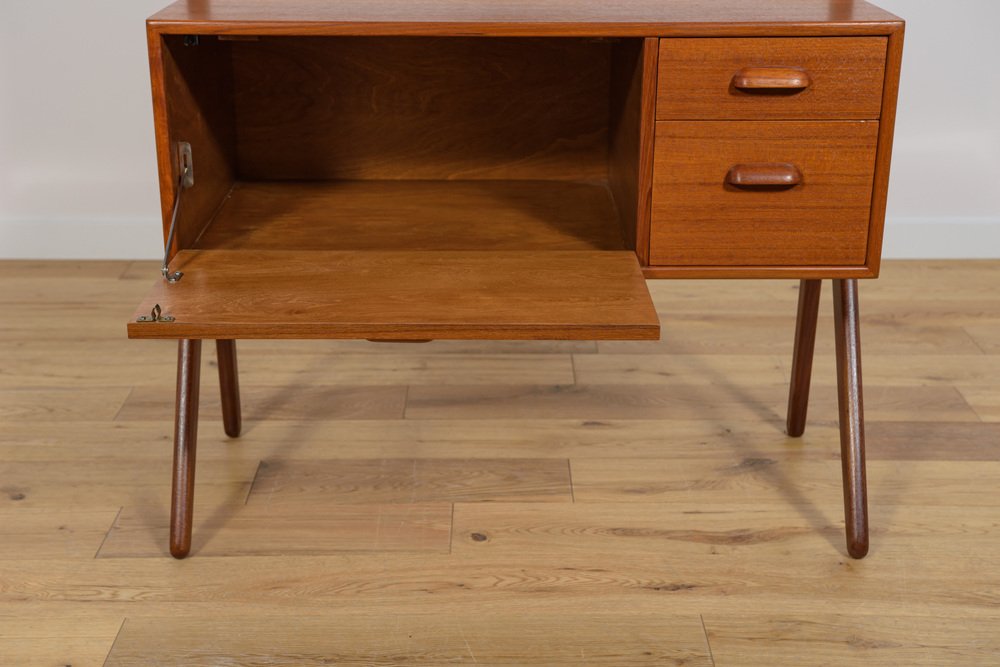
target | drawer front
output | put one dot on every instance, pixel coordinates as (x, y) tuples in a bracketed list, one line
[(746, 193), (771, 78)]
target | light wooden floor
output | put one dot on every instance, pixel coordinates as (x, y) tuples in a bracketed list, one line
[(500, 503)]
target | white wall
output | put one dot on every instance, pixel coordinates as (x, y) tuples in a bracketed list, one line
[(77, 165), (77, 169), (944, 197)]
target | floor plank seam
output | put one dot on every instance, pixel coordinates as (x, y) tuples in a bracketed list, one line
[(569, 479), (451, 530), (406, 402), (973, 408), (253, 481), (108, 532), (125, 271), (974, 341), (708, 644), (114, 642), (124, 403)]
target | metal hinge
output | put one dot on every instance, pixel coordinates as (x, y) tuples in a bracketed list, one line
[(156, 315)]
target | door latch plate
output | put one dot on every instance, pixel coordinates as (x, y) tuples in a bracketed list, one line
[(156, 315)]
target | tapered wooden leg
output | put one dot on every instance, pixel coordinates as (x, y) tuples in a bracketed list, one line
[(802, 357), (185, 445), (852, 423), (229, 383)]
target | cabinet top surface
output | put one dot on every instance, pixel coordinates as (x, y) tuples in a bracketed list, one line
[(597, 17)]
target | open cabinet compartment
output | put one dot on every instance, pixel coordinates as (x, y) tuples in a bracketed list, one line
[(402, 187)]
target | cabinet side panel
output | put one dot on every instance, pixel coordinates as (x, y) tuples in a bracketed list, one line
[(192, 96), (883, 158), (630, 153), (320, 108)]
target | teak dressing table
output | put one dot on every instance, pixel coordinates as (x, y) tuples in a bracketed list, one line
[(409, 170)]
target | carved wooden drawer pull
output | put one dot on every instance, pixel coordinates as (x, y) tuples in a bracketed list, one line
[(785, 79), (764, 175)]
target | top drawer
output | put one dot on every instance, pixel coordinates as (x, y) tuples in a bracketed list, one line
[(771, 78)]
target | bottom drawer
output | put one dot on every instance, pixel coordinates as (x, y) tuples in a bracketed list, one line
[(762, 193)]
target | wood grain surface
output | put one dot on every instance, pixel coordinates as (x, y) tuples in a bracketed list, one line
[(698, 533), (506, 17), (412, 480), (700, 220), (915, 641), (193, 103), (883, 159), (332, 402), (677, 401), (402, 295), (142, 531), (696, 78), (630, 155), (422, 639), (416, 215), (423, 107)]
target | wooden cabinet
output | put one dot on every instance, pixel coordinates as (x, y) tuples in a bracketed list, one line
[(811, 104), (408, 170)]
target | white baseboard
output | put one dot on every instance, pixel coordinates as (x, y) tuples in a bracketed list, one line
[(905, 238)]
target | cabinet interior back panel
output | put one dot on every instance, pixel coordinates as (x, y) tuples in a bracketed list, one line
[(421, 108)]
